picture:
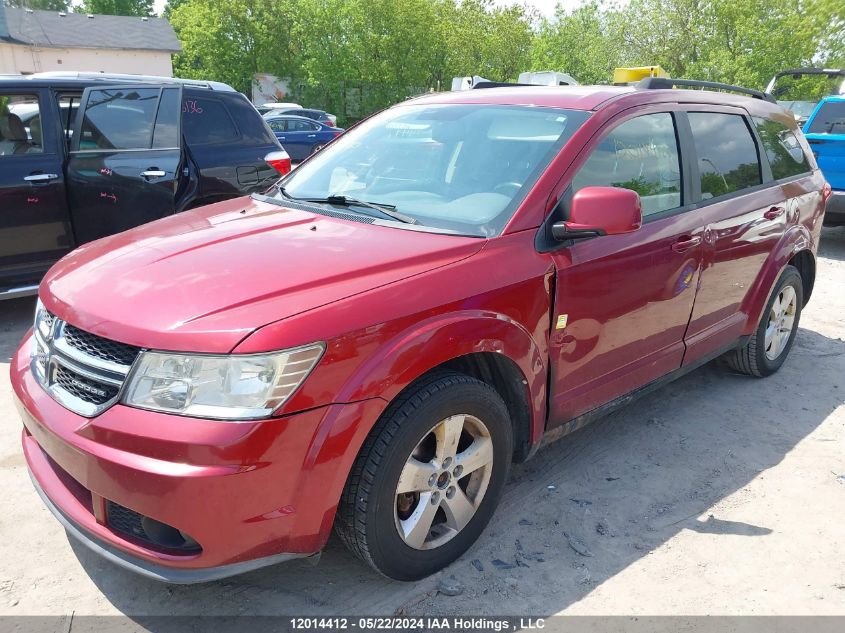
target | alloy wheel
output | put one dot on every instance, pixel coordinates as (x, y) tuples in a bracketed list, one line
[(781, 321), (443, 482)]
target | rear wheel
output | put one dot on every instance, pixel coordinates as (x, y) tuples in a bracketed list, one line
[(769, 346), (428, 478)]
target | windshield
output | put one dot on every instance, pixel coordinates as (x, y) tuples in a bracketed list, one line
[(830, 119), (463, 168)]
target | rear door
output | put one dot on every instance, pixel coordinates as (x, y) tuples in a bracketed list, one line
[(126, 159), (34, 224), (745, 215)]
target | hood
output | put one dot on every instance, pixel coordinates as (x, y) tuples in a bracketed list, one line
[(204, 279)]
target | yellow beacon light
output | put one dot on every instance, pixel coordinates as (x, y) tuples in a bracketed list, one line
[(624, 76)]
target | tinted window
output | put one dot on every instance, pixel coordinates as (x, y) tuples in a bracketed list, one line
[(119, 119), (727, 155), (206, 121), (640, 154), (20, 125), (830, 119), (300, 126), (166, 134), (253, 129), (783, 149), (277, 125)]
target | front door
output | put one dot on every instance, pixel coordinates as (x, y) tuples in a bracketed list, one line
[(623, 302), (126, 160), (34, 224)]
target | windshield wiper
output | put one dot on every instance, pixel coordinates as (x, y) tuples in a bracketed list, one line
[(388, 210)]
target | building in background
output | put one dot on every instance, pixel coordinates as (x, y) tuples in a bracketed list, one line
[(38, 41)]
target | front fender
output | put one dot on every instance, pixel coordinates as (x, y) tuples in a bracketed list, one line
[(396, 364), (435, 341), (796, 238)]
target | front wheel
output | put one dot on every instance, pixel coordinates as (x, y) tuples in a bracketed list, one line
[(769, 346), (428, 478)]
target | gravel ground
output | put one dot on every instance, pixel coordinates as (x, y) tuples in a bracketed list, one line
[(718, 494)]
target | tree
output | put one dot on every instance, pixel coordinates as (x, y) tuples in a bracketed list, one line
[(583, 43), (44, 5), (140, 8)]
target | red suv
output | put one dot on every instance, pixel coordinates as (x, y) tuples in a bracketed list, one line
[(369, 345)]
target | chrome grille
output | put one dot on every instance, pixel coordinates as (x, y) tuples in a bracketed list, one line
[(99, 347), (82, 371), (84, 388)]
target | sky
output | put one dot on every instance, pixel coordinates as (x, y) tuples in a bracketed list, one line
[(546, 7)]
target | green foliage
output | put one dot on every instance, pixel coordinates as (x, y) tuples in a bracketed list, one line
[(355, 56), (352, 56), (118, 7)]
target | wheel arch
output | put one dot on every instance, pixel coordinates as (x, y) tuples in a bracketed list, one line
[(489, 346), (795, 248)]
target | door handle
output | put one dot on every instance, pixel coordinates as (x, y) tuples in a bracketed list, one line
[(153, 173), (685, 243), (311, 135), (41, 177), (774, 213)]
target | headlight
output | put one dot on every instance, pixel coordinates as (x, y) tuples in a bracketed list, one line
[(232, 387)]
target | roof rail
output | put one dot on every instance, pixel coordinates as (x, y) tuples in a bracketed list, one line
[(658, 83), (118, 77), (496, 84)]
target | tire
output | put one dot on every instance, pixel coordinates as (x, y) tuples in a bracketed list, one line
[(759, 357), (373, 518)]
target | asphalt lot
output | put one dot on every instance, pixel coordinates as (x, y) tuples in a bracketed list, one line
[(719, 494)]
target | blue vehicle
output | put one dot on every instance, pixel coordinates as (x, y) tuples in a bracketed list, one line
[(301, 136), (825, 131)]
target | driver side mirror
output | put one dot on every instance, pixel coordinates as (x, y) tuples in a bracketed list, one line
[(600, 211)]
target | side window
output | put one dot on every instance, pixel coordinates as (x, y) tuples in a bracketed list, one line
[(20, 125), (726, 153), (252, 127), (785, 153), (119, 119), (166, 132), (640, 154), (206, 121), (277, 125), (301, 126)]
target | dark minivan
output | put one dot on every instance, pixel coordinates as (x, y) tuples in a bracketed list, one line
[(83, 156)]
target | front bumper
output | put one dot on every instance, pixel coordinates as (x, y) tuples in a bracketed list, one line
[(834, 213), (250, 494)]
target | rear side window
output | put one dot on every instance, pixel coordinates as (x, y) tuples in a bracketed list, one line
[(119, 119), (830, 119), (206, 121), (786, 156), (301, 126), (254, 130), (640, 154), (726, 152)]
